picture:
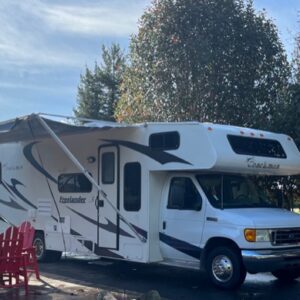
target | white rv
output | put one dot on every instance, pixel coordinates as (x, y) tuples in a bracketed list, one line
[(179, 194)]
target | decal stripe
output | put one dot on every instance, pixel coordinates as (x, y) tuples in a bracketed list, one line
[(14, 189), (180, 245), (105, 252), (74, 232), (5, 184), (141, 231), (110, 227), (97, 250), (160, 156), (13, 204), (27, 151)]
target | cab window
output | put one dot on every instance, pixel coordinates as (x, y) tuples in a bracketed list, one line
[(184, 195)]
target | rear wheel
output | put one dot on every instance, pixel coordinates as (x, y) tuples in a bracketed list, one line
[(287, 275), (42, 254), (224, 267), (40, 248)]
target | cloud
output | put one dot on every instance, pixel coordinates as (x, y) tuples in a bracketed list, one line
[(23, 42), (48, 33), (102, 19)]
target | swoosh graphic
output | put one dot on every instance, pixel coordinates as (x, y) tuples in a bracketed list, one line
[(141, 231), (13, 188), (13, 204), (110, 227), (180, 245), (27, 151), (160, 156), (105, 252), (97, 250), (5, 185)]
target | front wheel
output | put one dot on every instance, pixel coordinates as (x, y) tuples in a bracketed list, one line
[(287, 275), (225, 268)]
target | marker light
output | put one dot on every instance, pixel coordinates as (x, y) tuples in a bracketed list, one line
[(250, 235)]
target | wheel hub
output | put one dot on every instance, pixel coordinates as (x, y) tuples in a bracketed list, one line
[(222, 268), (39, 248)]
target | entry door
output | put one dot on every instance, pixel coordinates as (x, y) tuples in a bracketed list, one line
[(182, 220), (108, 221)]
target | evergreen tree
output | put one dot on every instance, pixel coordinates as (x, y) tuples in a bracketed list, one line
[(288, 121), (98, 91), (214, 60), (90, 93)]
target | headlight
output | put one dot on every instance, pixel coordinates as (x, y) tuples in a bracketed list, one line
[(257, 235)]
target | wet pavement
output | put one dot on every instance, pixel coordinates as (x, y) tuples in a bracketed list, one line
[(74, 279)]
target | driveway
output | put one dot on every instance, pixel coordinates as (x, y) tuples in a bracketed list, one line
[(75, 279)]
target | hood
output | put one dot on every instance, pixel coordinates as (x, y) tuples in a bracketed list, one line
[(261, 217)]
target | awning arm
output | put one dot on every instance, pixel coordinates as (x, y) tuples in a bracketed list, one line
[(88, 176)]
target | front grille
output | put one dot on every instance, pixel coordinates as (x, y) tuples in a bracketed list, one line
[(290, 236)]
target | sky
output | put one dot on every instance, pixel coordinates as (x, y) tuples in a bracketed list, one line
[(46, 44)]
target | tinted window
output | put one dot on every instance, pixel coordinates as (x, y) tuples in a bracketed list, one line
[(212, 187), (74, 183), (236, 191), (184, 195), (256, 147), (108, 168), (164, 140), (132, 187)]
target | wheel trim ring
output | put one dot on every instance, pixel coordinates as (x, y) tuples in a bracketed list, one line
[(222, 268), (39, 247)]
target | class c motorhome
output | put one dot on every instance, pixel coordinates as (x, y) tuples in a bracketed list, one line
[(179, 194)]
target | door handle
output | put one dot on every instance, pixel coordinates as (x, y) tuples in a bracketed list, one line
[(164, 225)]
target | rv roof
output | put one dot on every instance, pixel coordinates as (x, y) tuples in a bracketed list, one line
[(28, 127)]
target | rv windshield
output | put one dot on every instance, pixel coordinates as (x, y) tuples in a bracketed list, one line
[(234, 191)]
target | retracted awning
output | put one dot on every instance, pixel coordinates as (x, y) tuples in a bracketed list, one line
[(29, 127), (34, 126)]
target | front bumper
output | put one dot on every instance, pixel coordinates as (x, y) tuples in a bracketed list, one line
[(270, 260)]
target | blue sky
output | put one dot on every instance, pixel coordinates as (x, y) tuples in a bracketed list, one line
[(45, 46)]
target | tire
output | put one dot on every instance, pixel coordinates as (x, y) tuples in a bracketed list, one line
[(287, 275), (40, 246), (225, 268), (42, 254)]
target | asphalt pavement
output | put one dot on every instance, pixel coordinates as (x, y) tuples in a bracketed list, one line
[(77, 279)]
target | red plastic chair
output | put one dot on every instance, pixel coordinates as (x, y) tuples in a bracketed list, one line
[(12, 263), (28, 249)]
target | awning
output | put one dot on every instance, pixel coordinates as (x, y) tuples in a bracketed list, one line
[(29, 127), (34, 126)]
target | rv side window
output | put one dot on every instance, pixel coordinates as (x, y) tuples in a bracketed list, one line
[(108, 167), (74, 183), (257, 147), (164, 141), (184, 195), (132, 186)]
